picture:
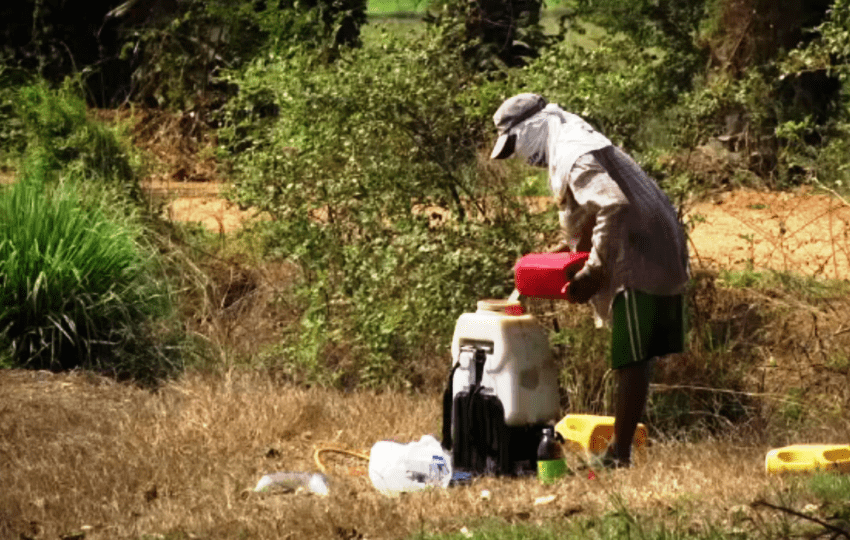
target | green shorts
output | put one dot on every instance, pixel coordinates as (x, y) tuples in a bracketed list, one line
[(646, 326)]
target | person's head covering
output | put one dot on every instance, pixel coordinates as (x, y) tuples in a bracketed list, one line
[(513, 112)]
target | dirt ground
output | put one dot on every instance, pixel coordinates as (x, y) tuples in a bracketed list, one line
[(199, 202), (802, 232)]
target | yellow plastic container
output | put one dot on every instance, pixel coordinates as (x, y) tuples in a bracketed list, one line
[(589, 434), (808, 457)]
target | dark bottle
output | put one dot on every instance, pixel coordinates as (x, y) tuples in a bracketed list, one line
[(550, 457)]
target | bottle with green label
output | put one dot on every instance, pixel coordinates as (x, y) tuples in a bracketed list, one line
[(550, 458)]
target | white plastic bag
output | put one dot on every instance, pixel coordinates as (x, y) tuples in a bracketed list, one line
[(396, 468)]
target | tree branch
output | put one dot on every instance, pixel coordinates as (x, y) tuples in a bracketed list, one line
[(832, 528)]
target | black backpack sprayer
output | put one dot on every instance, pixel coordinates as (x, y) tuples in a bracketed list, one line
[(502, 392)]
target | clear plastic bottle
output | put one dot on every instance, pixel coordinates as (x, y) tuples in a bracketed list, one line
[(290, 481)]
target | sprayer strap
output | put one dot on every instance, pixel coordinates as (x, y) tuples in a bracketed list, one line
[(448, 401)]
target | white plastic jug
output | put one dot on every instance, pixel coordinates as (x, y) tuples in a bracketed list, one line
[(519, 367)]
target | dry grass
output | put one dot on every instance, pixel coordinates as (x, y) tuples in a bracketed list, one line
[(84, 454)]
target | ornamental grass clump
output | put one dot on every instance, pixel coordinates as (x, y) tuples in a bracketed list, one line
[(74, 285)]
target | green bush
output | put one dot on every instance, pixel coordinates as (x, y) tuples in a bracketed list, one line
[(60, 135), (177, 57), (370, 170), (815, 140), (672, 27), (163, 53), (617, 86), (12, 137), (490, 36), (783, 122)]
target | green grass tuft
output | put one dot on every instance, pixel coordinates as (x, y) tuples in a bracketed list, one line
[(831, 487), (808, 288), (75, 287)]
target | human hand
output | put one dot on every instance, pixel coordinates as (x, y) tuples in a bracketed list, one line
[(584, 284)]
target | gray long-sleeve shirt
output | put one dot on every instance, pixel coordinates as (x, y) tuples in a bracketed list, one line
[(611, 207)]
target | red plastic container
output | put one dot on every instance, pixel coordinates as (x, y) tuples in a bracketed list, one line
[(544, 275)]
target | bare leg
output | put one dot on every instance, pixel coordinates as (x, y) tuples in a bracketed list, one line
[(632, 392)]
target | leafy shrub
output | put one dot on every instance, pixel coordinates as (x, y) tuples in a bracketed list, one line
[(490, 36), (60, 135), (781, 122), (370, 169), (648, 83), (176, 58), (163, 53), (671, 27), (816, 139), (617, 86), (12, 137)]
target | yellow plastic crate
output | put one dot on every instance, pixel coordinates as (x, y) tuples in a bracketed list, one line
[(590, 434), (808, 457)]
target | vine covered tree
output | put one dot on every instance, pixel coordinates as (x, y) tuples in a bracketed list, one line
[(490, 33), (164, 51)]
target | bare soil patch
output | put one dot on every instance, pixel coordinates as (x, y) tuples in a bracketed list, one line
[(801, 232), (184, 174), (199, 202)]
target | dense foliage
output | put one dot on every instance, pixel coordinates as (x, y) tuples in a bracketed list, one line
[(670, 27), (740, 80), (59, 134), (164, 52), (369, 169), (489, 34)]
